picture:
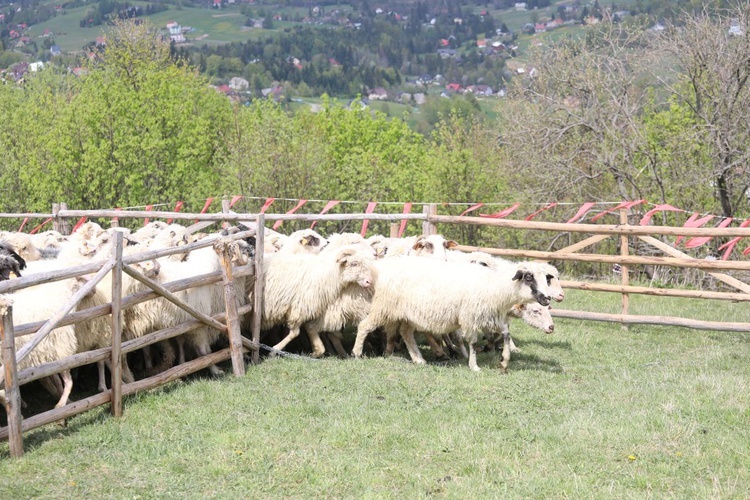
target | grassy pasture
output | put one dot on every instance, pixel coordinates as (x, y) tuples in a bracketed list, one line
[(590, 411)]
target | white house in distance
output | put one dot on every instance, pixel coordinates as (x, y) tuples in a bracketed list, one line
[(175, 32)]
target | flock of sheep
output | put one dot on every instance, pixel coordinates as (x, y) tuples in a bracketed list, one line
[(397, 286)]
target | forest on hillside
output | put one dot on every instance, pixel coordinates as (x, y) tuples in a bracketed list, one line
[(621, 114)]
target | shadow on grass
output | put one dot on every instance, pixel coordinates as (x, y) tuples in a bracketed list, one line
[(549, 344)]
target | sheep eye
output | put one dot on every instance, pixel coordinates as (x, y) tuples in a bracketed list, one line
[(353, 264), (549, 278), (528, 277)]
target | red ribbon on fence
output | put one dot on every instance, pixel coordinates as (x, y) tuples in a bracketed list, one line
[(407, 209), (696, 242), (502, 213), (116, 219), (209, 200), (658, 208), (694, 221), (23, 224), (625, 205), (729, 245), (33, 231), (581, 212), (278, 223), (266, 205), (370, 207), (177, 208), (234, 200), (549, 205), (80, 223), (148, 209), (471, 209), (326, 208)]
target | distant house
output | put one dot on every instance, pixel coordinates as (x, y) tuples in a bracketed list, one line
[(101, 41), (179, 38), (540, 27), (378, 94), (520, 6), (55, 50), (482, 43), (454, 87), (447, 53), (420, 98), (480, 90), (238, 84), (36, 66)]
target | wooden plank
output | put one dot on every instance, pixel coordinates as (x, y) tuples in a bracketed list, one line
[(260, 280), (583, 243), (230, 300), (116, 360), (659, 292), (12, 391), (591, 228), (613, 259), (653, 320), (670, 250), (156, 287), (624, 271)]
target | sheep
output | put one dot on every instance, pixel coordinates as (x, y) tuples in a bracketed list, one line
[(300, 287), (39, 303), (158, 314), (348, 309), (49, 243), (443, 297), (10, 262), (22, 245), (303, 241)]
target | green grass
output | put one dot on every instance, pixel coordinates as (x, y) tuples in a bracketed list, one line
[(590, 411)]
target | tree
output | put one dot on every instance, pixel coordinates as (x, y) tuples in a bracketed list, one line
[(710, 77)]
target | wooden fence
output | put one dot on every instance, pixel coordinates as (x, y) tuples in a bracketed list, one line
[(229, 322)]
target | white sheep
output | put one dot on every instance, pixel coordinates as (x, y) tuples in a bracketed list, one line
[(22, 244), (300, 287), (39, 303), (303, 241), (348, 309), (443, 297)]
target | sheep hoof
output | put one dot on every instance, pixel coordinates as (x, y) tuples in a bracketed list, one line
[(515, 349), (317, 354), (420, 362), (475, 369)]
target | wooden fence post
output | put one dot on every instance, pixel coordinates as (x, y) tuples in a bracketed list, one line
[(116, 366), (394, 230), (224, 208), (624, 251), (12, 392), (56, 220), (428, 227), (230, 298), (64, 224), (260, 279)]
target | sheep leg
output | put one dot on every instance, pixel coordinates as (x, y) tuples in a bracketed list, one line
[(204, 350), (391, 335), (147, 360), (317, 344), (436, 349), (180, 350), (363, 330), (473, 356), (52, 385), (293, 333), (337, 345), (513, 347), (102, 376), (407, 333), (506, 349), (458, 340), (67, 387)]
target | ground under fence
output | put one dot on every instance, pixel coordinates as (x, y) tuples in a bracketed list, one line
[(229, 322)]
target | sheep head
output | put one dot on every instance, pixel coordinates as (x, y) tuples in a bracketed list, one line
[(356, 267), (531, 275)]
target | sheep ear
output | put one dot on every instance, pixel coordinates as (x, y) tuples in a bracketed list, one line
[(450, 244), (419, 244), (519, 275), (344, 254), (304, 241)]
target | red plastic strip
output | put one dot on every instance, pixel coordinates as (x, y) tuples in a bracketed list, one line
[(658, 208), (326, 208), (407, 209), (502, 213), (625, 205), (80, 223), (299, 205), (696, 242), (177, 208), (148, 209), (543, 209), (370, 207), (694, 221), (581, 212), (471, 209)]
